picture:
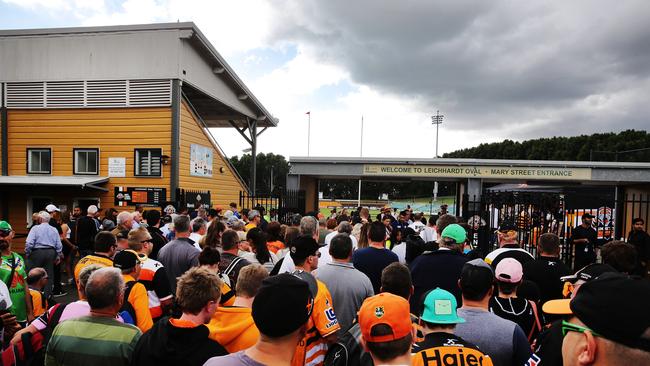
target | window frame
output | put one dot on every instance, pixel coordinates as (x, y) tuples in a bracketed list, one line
[(29, 150), (136, 165), (75, 162)]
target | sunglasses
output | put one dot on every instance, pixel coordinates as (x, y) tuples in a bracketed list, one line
[(317, 254), (145, 241), (570, 327)]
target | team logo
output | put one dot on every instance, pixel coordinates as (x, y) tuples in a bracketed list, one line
[(379, 311)]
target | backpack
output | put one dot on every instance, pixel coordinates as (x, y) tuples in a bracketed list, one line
[(347, 351), (127, 312), (30, 350)]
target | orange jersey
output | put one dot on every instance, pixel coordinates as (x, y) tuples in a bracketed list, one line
[(312, 348), (39, 303), (233, 327), (275, 246), (88, 260), (441, 349), (140, 302)]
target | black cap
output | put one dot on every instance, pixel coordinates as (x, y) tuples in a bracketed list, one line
[(507, 225), (476, 275), (615, 306), (587, 216), (302, 247), (282, 305), (126, 259), (589, 272)]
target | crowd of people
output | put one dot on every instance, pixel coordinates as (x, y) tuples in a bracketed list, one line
[(224, 287)]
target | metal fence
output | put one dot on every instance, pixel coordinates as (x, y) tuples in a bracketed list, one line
[(536, 213), (286, 202)]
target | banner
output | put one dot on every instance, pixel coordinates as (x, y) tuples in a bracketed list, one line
[(499, 172)]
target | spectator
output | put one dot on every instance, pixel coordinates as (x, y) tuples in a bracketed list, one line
[(36, 280), (179, 255), (72, 310), (124, 222), (280, 310), (348, 286), (440, 345), (213, 236), (386, 329), (502, 339), (137, 217), (583, 238), (12, 273), (308, 226), (110, 219), (84, 232), (158, 239), (401, 223), (231, 263), (372, 260), (260, 254), (322, 230), (620, 255), (343, 228), (606, 329), (507, 305), (440, 268), (273, 237), (233, 326), (429, 233), (199, 229), (547, 271), (130, 263), (153, 274), (105, 246), (233, 208), (508, 247), (210, 258), (185, 341), (254, 219), (548, 346), (363, 236), (323, 323), (77, 341), (641, 241), (43, 247)]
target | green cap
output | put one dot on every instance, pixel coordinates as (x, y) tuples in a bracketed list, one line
[(4, 226), (456, 232), (440, 308)]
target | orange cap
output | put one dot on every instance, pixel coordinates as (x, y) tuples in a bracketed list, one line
[(388, 309)]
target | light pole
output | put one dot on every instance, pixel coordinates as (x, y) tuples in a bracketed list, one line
[(437, 120)]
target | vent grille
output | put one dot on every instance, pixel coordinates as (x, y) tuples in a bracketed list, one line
[(89, 94)]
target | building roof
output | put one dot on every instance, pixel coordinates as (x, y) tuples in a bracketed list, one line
[(70, 181), (144, 51)]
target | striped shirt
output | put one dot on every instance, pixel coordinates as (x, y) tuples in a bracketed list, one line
[(92, 341), (154, 278)]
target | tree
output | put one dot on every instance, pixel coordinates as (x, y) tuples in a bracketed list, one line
[(267, 165)]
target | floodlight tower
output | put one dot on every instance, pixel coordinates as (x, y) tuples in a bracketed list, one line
[(437, 120)]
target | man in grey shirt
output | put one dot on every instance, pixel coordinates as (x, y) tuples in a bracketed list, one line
[(502, 339), (348, 286), (180, 254)]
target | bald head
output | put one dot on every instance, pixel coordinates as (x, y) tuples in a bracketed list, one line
[(105, 288)]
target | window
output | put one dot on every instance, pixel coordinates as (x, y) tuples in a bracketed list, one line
[(86, 161), (39, 161), (148, 162)]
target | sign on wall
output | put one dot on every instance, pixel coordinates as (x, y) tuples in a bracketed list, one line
[(131, 196), (501, 172), (117, 167), (200, 161)]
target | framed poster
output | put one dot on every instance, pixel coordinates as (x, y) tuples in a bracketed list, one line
[(200, 161), (117, 167)]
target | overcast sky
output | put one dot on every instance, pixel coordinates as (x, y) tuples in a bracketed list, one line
[(494, 69)]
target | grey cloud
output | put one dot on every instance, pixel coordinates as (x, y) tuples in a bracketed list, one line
[(485, 63)]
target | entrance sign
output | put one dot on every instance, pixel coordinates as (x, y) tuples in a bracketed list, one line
[(117, 167), (498, 172)]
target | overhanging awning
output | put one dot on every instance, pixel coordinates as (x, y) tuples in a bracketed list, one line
[(54, 181)]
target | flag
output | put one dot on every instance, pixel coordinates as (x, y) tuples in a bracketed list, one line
[(309, 113)]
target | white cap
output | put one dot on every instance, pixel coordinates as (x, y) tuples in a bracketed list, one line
[(51, 208)]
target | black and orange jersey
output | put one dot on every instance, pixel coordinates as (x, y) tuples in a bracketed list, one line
[(441, 349)]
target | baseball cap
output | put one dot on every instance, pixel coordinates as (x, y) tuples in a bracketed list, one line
[(507, 225), (509, 270), (128, 258), (282, 305), (4, 226), (388, 309), (476, 275), (587, 216), (51, 208), (615, 306), (440, 308), (456, 232), (302, 247), (587, 273)]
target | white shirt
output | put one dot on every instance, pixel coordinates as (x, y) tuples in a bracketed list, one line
[(196, 237), (4, 296), (429, 234), (330, 236), (250, 256), (287, 265), (400, 250), (417, 226)]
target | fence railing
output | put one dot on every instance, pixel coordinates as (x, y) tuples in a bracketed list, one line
[(286, 203)]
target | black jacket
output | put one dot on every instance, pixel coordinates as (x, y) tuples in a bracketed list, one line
[(84, 233), (165, 344), (158, 240)]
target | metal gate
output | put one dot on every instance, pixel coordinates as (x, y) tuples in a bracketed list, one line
[(286, 202)]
